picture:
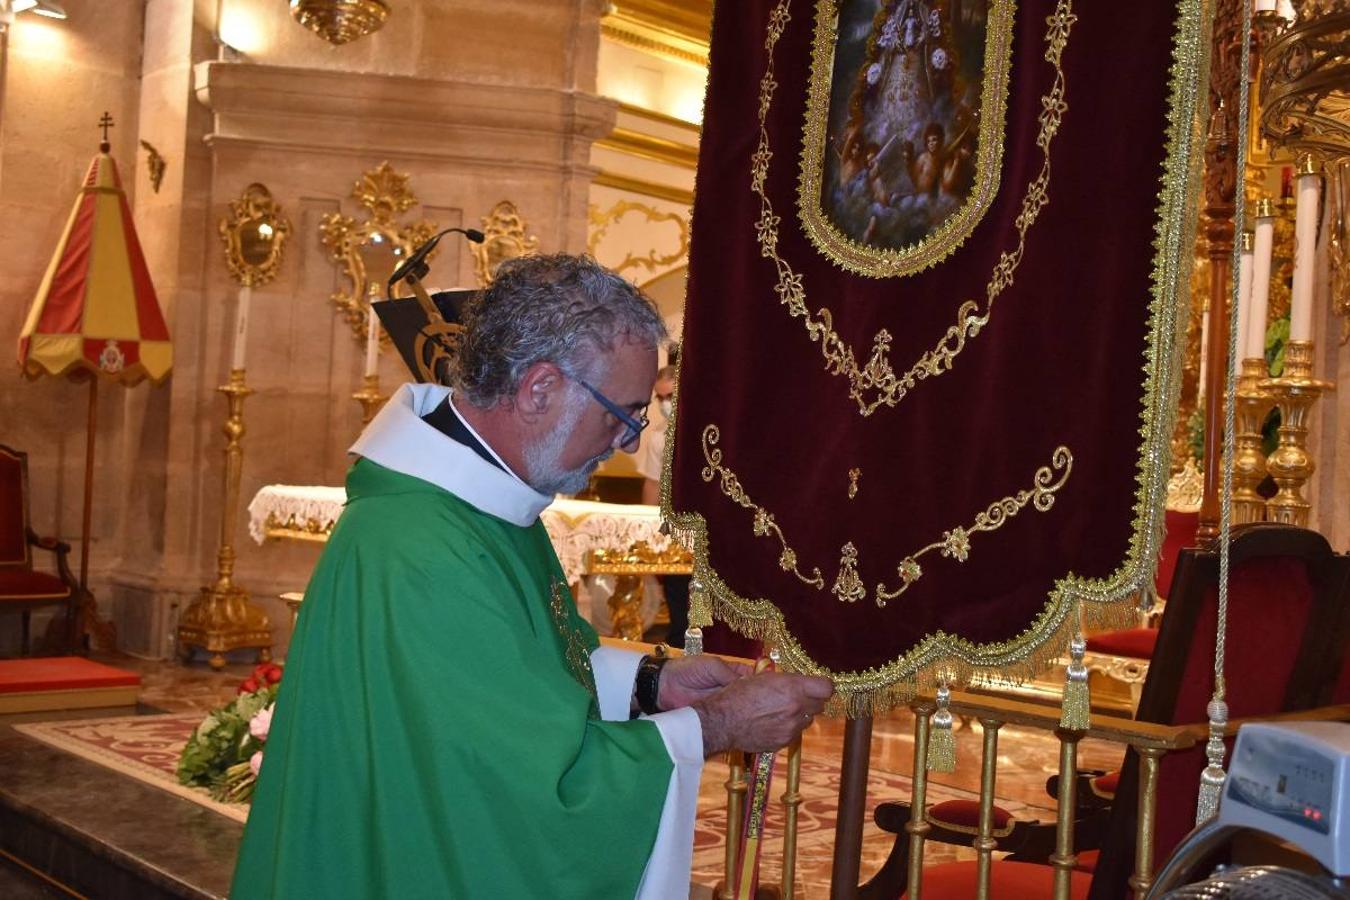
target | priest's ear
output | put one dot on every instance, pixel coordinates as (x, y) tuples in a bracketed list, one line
[(541, 391)]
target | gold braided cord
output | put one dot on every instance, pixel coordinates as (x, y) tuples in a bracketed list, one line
[(878, 262), (1103, 602), (875, 383), (1213, 776)]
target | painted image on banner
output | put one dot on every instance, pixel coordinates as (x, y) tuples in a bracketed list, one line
[(904, 111)]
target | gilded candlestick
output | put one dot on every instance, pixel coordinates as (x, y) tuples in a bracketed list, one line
[(1290, 464), (1249, 463), (222, 618), (369, 397)]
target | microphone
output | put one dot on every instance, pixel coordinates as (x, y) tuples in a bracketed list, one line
[(416, 266)]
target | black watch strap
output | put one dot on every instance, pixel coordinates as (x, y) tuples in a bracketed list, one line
[(648, 686)]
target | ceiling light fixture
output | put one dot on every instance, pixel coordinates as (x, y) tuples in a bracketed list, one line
[(49, 8)]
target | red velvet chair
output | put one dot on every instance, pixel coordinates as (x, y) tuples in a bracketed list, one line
[(23, 588), (1288, 630)]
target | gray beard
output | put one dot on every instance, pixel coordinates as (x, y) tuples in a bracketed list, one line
[(541, 459)]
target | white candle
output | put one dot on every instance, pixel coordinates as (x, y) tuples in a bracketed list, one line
[(1204, 353), (241, 327), (1305, 249), (1244, 308), (1256, 325), (372, 342), (1265, 5)]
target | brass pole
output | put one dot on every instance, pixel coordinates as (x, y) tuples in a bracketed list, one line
[(918, 826), (792, 799), (1064, 858), (86, 522), (735, 786), (1142, 879), (984, 842), (848, 825)]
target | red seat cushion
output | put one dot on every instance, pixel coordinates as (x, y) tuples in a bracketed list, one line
[(964, 815), (1087, 861), (1106, 785), (25, 584), (1024, 881), (1136, 643)]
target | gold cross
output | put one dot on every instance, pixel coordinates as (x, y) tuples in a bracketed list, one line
[(105, 123)]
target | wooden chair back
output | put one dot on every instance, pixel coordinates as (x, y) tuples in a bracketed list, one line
[(14, 549)]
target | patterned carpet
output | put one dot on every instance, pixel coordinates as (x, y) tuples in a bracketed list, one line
[(147, 748)]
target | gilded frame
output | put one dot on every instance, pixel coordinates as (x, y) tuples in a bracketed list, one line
[(879, 262)]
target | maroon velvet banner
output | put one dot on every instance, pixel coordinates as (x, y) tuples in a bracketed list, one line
[(927, 375)]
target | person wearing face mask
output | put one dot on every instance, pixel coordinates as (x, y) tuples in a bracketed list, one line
[(449, 725)]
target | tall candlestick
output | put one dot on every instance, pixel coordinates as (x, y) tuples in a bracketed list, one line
[(1261, 253), (1305, 246), (1244, 306), (1204, 357), (372, 342), (241, 327)]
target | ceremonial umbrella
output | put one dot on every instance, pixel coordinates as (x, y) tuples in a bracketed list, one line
[(96, 315)]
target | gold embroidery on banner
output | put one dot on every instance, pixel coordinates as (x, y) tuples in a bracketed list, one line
[(853, 482), (879, 262), (764, 525), (1103, 602), (575, 651), (848, 587), (955, 544), (875, 383)]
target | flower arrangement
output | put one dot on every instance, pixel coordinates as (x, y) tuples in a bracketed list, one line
[(224, 752)]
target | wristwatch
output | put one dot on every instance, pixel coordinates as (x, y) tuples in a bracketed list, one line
[(648, 684)]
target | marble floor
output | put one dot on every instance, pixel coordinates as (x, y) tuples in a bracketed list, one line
[(1026, 757)]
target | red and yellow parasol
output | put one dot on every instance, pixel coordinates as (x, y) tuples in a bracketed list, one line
[(96, 315)]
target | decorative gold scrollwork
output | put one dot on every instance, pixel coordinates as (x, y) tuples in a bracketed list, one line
[(955, 544), (652, 259), (504, 237), (385, 194), (254, 233), (875, 383)]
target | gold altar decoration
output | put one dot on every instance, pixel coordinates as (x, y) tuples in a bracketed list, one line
[(1249, 463), (1338, 241), (630, 565), (340, 21), (254, 234), (1305, 84), (653, 259), (504, 237), (222, 618), (385, 194), (1294, 393), (370, 397)]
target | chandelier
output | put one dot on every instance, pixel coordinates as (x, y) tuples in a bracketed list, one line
[(1305, 84), (340, 21)]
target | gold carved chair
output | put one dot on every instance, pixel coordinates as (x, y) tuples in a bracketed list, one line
[(23, 588)]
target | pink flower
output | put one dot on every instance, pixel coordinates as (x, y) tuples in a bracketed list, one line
[(259, 725), (255, 763)]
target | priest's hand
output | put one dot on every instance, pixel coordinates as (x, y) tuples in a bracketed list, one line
[(685, 679), (760, 712)]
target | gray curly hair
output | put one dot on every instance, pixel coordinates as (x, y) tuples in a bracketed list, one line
[(561, 308)]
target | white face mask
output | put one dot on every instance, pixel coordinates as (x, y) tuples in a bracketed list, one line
[(665, 406)]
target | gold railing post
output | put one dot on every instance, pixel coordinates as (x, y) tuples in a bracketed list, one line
[(1142, 879), (735, 814), (918, 826), (984, 842), (1064, 858), (792, 799)]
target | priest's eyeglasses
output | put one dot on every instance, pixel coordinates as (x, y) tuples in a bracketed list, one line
[(633, 426)]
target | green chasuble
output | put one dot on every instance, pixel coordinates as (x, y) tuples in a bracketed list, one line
[(437, 733)]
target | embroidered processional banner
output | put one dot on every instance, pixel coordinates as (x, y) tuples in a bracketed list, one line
[(927, 378)]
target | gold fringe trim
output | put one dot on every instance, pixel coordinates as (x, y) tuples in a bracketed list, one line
[(1076, 709)]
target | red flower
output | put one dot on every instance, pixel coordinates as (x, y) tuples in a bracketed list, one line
[(249, 686), (267, 672)]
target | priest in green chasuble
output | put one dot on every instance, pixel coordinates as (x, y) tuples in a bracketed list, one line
[(449, 726)]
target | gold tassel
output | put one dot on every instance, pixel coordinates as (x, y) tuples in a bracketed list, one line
[(1075, 713), (1212, 779), (941, 741)]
